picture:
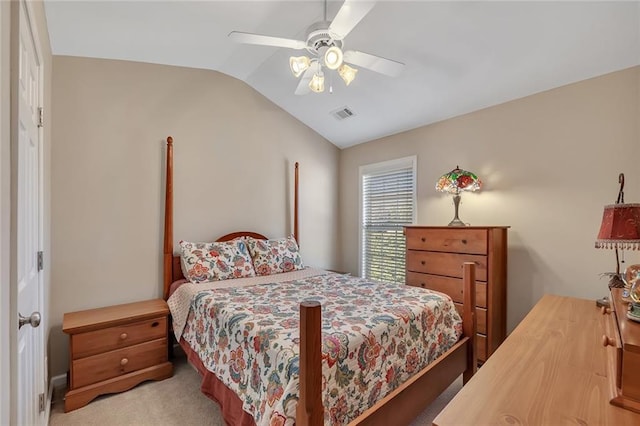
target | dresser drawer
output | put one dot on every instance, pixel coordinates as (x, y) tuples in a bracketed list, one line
[(108, 339), (614, 352), (481, 318), (449, 264), (447, 285), (104, 366), (471, 241), (481, 351)]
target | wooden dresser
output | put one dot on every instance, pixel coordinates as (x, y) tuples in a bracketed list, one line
[(622, 339), (435, 255), (113, 349), (551, 370)]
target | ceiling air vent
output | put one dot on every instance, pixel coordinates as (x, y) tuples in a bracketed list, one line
[(342, 113)]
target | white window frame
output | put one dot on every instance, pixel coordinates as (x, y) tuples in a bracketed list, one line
[(381, 167)]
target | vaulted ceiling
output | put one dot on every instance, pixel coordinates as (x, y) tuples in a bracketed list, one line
[(458, 56)]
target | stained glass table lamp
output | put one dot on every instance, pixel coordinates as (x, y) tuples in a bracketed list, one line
[(455, 182)]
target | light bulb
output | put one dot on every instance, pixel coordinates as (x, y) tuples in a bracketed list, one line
[(333, 58)]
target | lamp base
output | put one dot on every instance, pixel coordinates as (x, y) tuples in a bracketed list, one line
[(456, 222), (616, 281)]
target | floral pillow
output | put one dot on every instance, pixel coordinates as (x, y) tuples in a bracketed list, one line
[(275, 256), (215, 261)]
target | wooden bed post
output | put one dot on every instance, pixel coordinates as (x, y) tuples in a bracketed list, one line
[(295, 207), (469, 317), (168, 221), (310, 411)]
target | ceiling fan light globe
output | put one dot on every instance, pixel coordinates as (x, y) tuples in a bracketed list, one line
[(299, 64), (333, 58), (347, 73), (317, 82)]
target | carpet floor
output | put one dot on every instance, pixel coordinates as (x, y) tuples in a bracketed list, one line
[(175, 401)]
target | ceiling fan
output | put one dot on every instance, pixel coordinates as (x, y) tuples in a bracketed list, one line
[(325, 43)]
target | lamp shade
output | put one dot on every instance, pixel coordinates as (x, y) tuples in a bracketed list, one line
[(299, 64), (317, 82), (347, 73), (620, 228), (458, 180)]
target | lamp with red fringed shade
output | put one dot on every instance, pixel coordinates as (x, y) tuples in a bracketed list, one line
[(620, 230)]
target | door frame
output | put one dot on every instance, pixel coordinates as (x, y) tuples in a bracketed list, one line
[(5, 209)]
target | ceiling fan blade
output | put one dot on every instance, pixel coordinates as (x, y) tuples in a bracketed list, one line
[(374, 63), (348, 17), (303, 85), (264, 40)]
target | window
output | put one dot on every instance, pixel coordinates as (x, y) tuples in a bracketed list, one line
[(388, 202)]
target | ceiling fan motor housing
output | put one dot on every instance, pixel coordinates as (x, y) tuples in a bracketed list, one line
[(319, 38)]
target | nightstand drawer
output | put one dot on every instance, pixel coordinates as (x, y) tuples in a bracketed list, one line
[(471, 241), (449, 264), (447, 285), (108, 339), (104, 366)]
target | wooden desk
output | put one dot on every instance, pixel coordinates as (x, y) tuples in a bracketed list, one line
[(551, 370)]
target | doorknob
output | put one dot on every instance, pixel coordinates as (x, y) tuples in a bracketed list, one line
[(34, 320)]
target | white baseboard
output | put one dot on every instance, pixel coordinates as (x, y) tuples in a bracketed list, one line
[(57, 382)]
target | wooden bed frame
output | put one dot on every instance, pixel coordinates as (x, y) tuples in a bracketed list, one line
[(402, 405)]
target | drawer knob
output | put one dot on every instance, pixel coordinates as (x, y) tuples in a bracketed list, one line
[(155, 324), (124, 361), (464, 241), (422, 285), (607, 341), (422, 262), (423, 239), (605, 310), (123, 336)]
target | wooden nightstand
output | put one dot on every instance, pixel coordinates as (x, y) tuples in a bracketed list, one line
[(115, 348)]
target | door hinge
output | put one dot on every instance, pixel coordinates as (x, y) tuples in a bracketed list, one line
[(40, 116), (41, 402), (40, 261)]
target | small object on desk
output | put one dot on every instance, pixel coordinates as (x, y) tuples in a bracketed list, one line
[(602, 302), (633, 312)]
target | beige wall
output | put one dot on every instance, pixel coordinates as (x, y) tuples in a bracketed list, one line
[(234, 155), (550, 162)]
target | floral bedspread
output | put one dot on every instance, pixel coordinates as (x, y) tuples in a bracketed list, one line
[(374, 336)]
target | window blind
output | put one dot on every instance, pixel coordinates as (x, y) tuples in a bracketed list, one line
[(388, 200)]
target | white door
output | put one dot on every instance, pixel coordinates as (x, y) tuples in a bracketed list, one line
[(30, 381)]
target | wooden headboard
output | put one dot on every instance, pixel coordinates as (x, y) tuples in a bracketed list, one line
[(172, 269)]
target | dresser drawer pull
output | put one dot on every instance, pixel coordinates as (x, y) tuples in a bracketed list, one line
[(124, 361), (464, 241), (607, 341), (422, 285), (422, 262), (123, 336), (155, 324), (605, 310)]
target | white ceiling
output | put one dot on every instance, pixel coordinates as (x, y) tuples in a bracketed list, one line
[(459, 56)]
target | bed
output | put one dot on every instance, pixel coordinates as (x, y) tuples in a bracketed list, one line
[(313, 347)]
